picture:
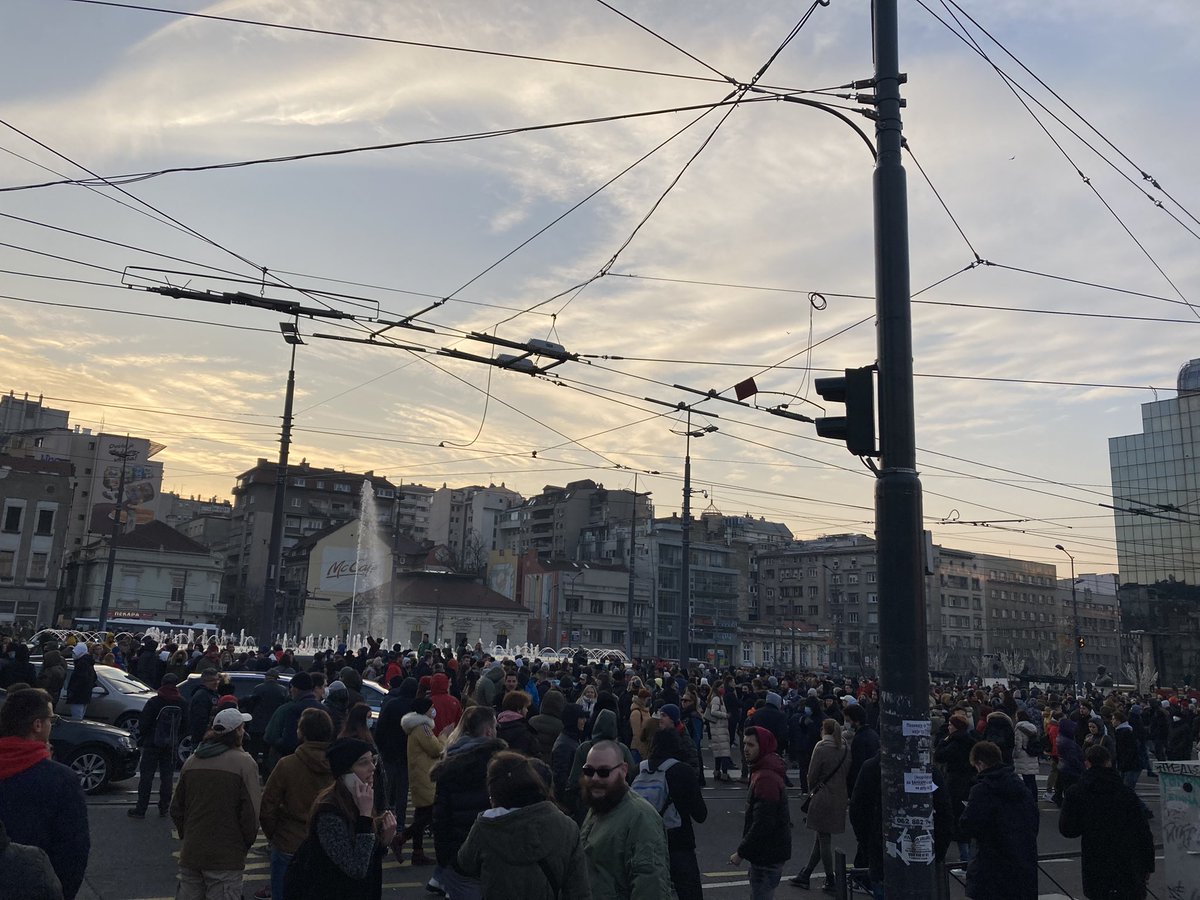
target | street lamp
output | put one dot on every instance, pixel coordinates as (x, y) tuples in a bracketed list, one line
[(685, 541), (1075, 616), (567, 600)]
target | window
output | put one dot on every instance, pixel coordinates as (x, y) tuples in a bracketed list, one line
[(747, 655), (814, 610), (45, 522), (618, 609), (7, 560), (296, 503), (37, 566), (618, 637), (572, 604), (852, 578), (852, 618), (178, 585), (596, 607), (342, 488), (870, 578), (13, 511), (872, 598)]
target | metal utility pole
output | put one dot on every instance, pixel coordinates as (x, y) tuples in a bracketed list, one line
[(1075, 618), (685, 540), (904, 677), (117, 527), (266, 629), (632, 573)]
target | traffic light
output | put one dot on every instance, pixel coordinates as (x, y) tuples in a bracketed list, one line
[(856, 389), (1082, 641)]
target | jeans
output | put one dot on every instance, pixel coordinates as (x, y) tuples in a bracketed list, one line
[(822, 851), (161, 760), (458, 887), (77, 710), (1131, 778), (764, 880), (685, 874), (397, 789), (279, 865)]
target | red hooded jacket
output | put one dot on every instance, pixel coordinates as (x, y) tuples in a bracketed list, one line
[(449, 710)]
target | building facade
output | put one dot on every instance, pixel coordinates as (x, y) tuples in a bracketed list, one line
[(467, 521), (35, 503)]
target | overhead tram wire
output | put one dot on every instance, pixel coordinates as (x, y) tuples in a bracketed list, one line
[(134, 177), (1141, 171), (1013, 88), (667, 41)]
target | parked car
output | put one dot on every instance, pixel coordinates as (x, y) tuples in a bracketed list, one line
[(98, 753), (117, 698)]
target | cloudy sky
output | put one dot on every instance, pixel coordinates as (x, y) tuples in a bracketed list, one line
[(1022, 377)]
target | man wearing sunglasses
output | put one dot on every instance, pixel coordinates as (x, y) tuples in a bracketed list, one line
[(623, 835), (31, 784)]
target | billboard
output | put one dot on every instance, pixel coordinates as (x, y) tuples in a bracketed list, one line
[(340, 567), (143, 482)]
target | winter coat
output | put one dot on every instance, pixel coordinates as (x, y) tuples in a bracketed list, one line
[(1070, 754), (390, 737), (288, 796), (682, 787), (773, 719), (337, 704), (1118, 847), (562, 757), (346, 860), (449, 710), (533, 852), (1126, 759), (547, 724), (863, 746), (215, 808), (626, 850), (642, 726), (148, 667), (83, 679), (1002, 816), (461, 793), (829, 769), (605, 729), (717, 717), (514, 729), (26, 872), (289, 717), (424, 750), (262, 703), (1025, 763), (168, 695), (767, 828), (999, 730), (199, 713), (54, 674), (31, 784), (953, 755), (1179, 739)]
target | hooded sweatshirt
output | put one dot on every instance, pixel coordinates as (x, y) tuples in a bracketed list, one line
[(531, 852), (547, 724), (767, 830), (449, 710), (605, 729), (289, 793), (1002, 816), (390, 737)]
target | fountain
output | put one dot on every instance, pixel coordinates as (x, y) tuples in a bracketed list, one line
[(371, 561)]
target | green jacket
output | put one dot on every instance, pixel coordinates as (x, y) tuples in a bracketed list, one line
[(532, 852), (627, 852)]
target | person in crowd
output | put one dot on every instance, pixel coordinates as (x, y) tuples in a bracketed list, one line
[(771, 715), (357, 725), (642, 725), (767, 829), (1098, 736), (281, 732), (562, 758), (672, 789), (547, 724), (460, 795), (998, 728), (18, 670), (392, 742), (26, 872), (148, 666), (83, 680), (670, 718), (53, 675), (604, 729), (804, 731), (160, 728), (622, 834), (524, 846), (348, 835), (448, 709), (1070, 759), (266, 697), (291, 790), (587, 699), (41, 801), (953, 756), (201, 705), (827, 801), (337, 703), (1127, 758), (1025, 752), (215, 811), (716, 714), (512, 725), (424, 751), (1002, 818), (1118, 847)]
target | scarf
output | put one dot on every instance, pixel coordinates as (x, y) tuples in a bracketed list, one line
[(19, 754)]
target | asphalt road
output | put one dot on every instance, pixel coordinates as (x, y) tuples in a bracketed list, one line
[(135, 859)]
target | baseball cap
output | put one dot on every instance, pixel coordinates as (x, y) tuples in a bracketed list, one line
[(230, 720)]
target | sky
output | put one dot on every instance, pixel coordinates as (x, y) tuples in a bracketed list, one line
[(734, 242)]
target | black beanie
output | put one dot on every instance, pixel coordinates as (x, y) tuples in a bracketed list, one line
[(344, 753)]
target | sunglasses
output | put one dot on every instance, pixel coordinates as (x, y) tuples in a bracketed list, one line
[(599, 771)]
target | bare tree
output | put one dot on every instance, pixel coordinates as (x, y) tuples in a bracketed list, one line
[(938, 657), (1139, 669), (1012, 660), (976, 661), (1061, 668), (1043, 658), (474, 555)]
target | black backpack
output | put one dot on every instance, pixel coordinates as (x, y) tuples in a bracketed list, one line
[(168, 725)]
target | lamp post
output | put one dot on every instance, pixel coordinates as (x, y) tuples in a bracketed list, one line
[(567, 600), (632, 565), (685, 541), (118, 528), (1075, 617)]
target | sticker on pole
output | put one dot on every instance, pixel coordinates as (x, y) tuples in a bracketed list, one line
[(919, 782), (916, 727)]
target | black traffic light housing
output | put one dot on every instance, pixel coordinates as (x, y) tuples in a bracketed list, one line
[(856, 389)]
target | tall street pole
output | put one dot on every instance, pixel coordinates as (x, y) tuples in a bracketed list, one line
[(904, 667), (266, 629), (1075, 618), (117, 527), (685, 541), (632, 564)]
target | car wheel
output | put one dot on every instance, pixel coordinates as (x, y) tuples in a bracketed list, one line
[(93, 768), (184, 750), (131, 722)]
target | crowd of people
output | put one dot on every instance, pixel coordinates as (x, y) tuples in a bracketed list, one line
[(570, 778)]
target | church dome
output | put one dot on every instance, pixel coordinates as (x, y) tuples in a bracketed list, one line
[(1189, 377)]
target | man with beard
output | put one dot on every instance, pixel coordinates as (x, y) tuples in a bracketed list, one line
[(622, 835)]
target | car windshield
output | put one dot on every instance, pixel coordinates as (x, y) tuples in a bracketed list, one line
[(117, 680)]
